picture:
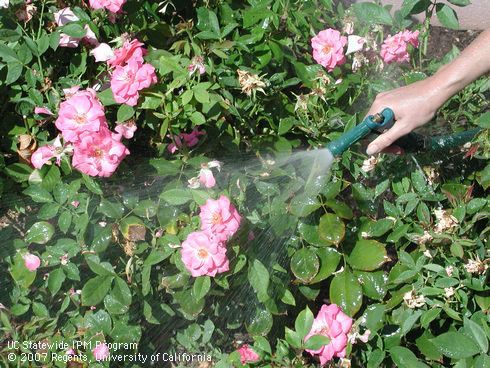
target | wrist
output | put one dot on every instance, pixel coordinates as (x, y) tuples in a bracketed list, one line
[(444, 84)]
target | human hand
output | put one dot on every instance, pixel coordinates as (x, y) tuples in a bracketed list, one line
[(413, 106)]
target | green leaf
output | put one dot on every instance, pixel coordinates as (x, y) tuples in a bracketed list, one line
[(38, 194), (260, 323), (14, 71), (96, 289), (22, 276), (258, 276), (474, 330), (39, 233), (404, 358), (293, 338), (64, 221), (305, 264), (484, 120), (111, 209), (55, 280), (304, 322), (455, 345), (374, 284), (285, 125), (331, 228), (315, 342), (8, 54), (176, 197), (201, 287), (447, 16), (460, 2), (91, 184), (367, 255), (197, 118), (74, 29), (201, 95), (372, 13), (125, 112), (346, 292), (329, 260)]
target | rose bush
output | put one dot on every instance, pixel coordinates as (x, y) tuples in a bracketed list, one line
[(150, 195)]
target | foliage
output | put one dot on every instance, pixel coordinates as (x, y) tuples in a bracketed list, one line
[(372, 243)]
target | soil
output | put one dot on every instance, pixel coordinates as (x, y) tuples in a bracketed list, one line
[(441, 41)]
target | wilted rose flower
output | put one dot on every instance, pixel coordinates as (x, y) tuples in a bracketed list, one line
[(250, 82), (189, 140), (333, 323), (445, 221), (26, 12), (98, 153), (205, 177), (45, 153), (449, 270), (476, 266), (369, 164), (328, 48), (448, 292), (197, 64), (394, 48), (80, 113), (425, 238), (204, 254), (220, 218), (32, 262), (101, 351), (412, 300), (247, 355), (354, 44)]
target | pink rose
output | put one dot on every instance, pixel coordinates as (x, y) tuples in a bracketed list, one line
[(101, 351), (247, 355), (126, 129), (203, 254), (130, 50), (334, 324), (197, 64), (70, 91), (220, 218), (111, 5), (98, 153), (394, 48), (328, 48), (80, 113), (65, 16), (205, 177), (128, 80), (103, 52), (31, 262)]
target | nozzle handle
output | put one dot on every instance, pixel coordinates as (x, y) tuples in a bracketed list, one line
[(378, 122)]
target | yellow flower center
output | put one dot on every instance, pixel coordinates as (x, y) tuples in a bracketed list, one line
[(202, 253), (216, 218), (327, 49), (81, 119), (98, 152)]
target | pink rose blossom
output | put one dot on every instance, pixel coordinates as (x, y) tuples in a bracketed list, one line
[(328, 48), (128, 80), (80, 113), (126, 129), (247, 355), (102, 53), (113, 6), (334, 324), (75, 203), (101, 351), (42, 110), (205, 177), (203, 254), (45, 153), (220, 218), (90, 36), (130, 50), (394, 48), (65, 16), (98, 153), (189, 140), (31, 262)]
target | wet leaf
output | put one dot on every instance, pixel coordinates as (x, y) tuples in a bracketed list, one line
[(367, 255), (346, 292), (305, 264), (331, 228)]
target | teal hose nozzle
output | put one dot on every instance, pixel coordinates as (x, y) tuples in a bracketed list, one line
[(412, 142), (373, 123)]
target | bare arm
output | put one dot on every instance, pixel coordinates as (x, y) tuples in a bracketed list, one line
[(416, 104)]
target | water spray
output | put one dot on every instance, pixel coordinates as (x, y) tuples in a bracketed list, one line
[(412, 142)]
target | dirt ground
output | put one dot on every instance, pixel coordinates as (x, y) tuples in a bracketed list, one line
[(441, 40)]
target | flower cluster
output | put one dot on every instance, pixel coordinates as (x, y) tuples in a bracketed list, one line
[(204, 252), (130, 73), (113, 6), (394, 48), (333, 323), (82, 122), (328, 48)]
